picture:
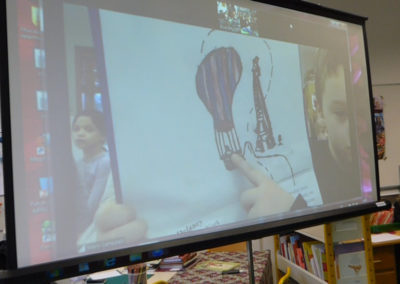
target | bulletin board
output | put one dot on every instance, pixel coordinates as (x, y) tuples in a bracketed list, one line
[(389, 164)]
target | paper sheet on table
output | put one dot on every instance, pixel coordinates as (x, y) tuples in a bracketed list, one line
[(105, 274), (384, 237)]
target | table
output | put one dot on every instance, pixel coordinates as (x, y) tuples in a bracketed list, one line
[(262, 269), (386, 247)]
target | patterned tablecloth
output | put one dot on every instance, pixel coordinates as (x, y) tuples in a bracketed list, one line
[(262, 269)]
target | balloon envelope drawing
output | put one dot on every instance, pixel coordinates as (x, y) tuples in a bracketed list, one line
[(216, 80)]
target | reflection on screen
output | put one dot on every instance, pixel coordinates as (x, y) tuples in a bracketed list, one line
[(146, 123)]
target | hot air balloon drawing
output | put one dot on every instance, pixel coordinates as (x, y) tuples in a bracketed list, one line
[(216, 80)]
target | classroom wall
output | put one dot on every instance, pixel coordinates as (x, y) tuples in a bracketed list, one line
[(382, 27)]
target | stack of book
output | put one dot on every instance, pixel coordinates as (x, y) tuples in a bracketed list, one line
[(306, 253), (178, 262), (311, 256)]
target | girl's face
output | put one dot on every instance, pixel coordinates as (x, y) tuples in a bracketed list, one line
[(85, 134)]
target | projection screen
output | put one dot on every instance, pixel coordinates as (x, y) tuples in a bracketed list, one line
[(140, 127)]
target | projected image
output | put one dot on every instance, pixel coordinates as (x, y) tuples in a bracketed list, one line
[(261, 138), (236, 18), (216, 81), (48, 232), (89, 145), (145, 132), (88, 87), (89, 135), (37, 17), (41, 101), (220, 103), (329, 125)]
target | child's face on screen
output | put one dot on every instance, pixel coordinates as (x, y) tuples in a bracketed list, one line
[(334, 109), (85, 133)]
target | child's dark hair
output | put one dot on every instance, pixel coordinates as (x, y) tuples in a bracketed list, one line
[(97, 118)]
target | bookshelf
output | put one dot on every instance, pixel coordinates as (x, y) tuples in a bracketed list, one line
[(344, 243)]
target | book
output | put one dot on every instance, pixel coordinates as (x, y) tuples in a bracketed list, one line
[(283, 246), (324, 264), (308, 256), (300, 257), (317, 252), (352, 264), (350, 260), (314, 266), (217, 265), (179, 258), (294, 242)]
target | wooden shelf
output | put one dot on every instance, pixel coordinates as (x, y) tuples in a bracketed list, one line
[(316, 232), (298, 273), (336, 233)]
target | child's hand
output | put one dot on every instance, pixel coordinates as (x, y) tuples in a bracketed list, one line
[(113, 221), (267, 197)]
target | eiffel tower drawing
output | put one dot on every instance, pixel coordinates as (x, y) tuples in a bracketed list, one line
[(265, 136)]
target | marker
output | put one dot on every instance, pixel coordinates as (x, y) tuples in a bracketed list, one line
[(233, 271)]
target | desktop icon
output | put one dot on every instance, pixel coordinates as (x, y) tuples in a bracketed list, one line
[(135, 257), (46, 186), (42, 101), (47, 227), (157, 253), (37, 17), (39, 55), (48, 232), (83, 267), (40, 148), (110, 262), (40, 151), (48, 238), (55, 273)]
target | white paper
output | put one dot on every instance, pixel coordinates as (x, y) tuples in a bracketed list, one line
[(384, 237)]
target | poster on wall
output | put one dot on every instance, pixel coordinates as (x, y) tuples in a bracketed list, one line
[(1, 162), (379, 126)]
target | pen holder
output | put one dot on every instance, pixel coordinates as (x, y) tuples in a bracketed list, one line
[(137, 274), (137, 278)]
